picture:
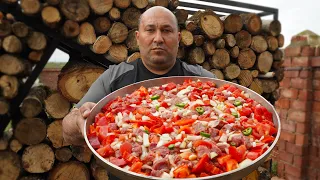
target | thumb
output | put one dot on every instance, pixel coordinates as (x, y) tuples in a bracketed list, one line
[(86, 113)]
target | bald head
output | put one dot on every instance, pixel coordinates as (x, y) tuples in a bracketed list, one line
[(157, 9)]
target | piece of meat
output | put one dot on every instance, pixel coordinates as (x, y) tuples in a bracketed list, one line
[(118, 161), (148, 159), (198, 127), (152, 146), (161, 164), (136, 149), (214, 132), (247, 142), (118, 154), (237, 139), (138, 132), (162, 151), (112, 126), (94, 141), (201, 150), (158, 173), (216, 149)]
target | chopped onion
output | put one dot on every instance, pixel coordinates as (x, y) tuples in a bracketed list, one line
[(193, 138), (213, 155), (231, 98), (223, 138), (214, 123), (185, 150), (245, 163), (146, 142), (183, 145), (145, 118), (190, 144)]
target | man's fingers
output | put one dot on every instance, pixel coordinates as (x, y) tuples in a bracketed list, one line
[(86, 108)]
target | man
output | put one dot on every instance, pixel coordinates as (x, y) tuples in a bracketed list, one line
[(158, 39)]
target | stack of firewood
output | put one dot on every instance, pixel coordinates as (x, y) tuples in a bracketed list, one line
[(20, 49)]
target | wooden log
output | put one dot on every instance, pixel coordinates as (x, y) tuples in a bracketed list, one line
[(4, 140), (256, 86), (35, 56), (87, 34), (122, 4), (53, 2), (98, 172), (11, 65), (181, 52), (4, 106), (190, 25), (50, 16), (181, 15), (140, 4), (19, 29), (131, 41), (9, 86), (252, 23), (230, 40), (173, 4), (279, 74), (206, 65), (10, 17), (280, 39), (30, 131), (15, 145), (220, 43), (81, 153), (12, 44), (218, 73), (220, 59), (246, 58), (102, 45), (5, 28), (71, 29), (277, 64), (232, 23), (232, 71), (117, 53), (100, 7), (186, 38), (114, 14), (254, 73), (211, 24), (72, 170), (245, 78), (75, 10), (118, 32), (272, 27), (243, 39), (269, 85), (33, 177), (9, 165), (1, 15), (30, 7), (163, 3), (264, 62), (134, 56), (234, 52), (33, 104), (57, 106), (63, 154), (130, 17), (54, 134), (196, 56), (272, 43), (101, 24), (10, 1), (38, 158), (259, 44), (275, 95), (37, 41), (198, 40), (209, 48), (75, 79)]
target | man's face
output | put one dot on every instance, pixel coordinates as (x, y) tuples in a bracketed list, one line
[(158, 39)]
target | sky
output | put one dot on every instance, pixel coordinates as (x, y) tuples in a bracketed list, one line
[(294, 15)]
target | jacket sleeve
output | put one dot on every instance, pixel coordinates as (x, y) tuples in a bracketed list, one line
[(206, 73)]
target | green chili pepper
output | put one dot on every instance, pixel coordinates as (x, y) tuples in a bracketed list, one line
[(237, 103), (146, 131), (205, 134), (232, 143), (182, 105), (171, 146), (247, 131), (235, 114), (155, 97), (157, 107), (200, 110)]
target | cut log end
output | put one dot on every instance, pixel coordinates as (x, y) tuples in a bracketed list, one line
[(133, 57), (98, 172), (54, 133), (269, 86), (118, 32), (131, 17), (87, 34), (218, 73), (100, 7), (259, 44), (11, 65), (256, 86), (12, 44), (81, 153), (234, 52), (9, 86), (220, 43), (102, 45), (70, 29), (232, 23), (20, 29), (117, 53), (196, 56), (264, 63), (30, 131), (37, 41), (245, 78), (243, 39), (140, 4), (252, 22), (181, 15), (75, 10), (30, 7), (15, 145), (208, 21), (50, 16), (186, 38), (35, 56), (4, 106), (280, 40), (246, 58), (220, 59), (131, 41), (114, 14), (72, 170), (57, 106), (9, 165), (209, 48), (272, 27), (63, 154), (102, 25), (232, 71)]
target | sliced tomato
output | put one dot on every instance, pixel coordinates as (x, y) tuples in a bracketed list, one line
[(252, 155), (105, 151), (192, 176), (164, 104), (183, 122), (136, 167), (130, 158), (203, 174), (200, 166), (212, 169), (186, 129), (181, 172), (170, 86), (202, 142), (154, 138), (238, 153), (223, 159), (172, 142), (268, 139), (126, 147), (245, 111), (231, 164)]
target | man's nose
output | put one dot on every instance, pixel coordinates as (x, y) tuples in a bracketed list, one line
[(158, 37)]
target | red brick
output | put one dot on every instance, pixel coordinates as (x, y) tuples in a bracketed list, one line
[(294, 171), (315, 117), (300, 62), (299, 105), (289, 74), (289, 93), (280, 169), (315, 140), (288, 126), (299, 161), (286, 157), (316, 128), (305, 74), (287, 62), (312, 173), (305, 95), (285, 83), (307, 51), (298, 116), (302, 128), (316, 84), (316, 107), (314, 163), (316, 95), (287, 136), (301, 39), (283, 103), (295, 149), (281, 145), (315, 61), (317, 51), (302, 140), (299, 83), (292, 51), (283, 114), (316, 73), (313, 151)]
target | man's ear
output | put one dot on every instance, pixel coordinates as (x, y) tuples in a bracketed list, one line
[(137, 37), (179, 36)]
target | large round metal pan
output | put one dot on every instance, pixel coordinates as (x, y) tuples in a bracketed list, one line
[(235, 174)]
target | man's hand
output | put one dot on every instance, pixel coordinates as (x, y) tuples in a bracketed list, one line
[(73, 124)]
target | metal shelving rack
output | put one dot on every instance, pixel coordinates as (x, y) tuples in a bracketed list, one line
[(56, 40)]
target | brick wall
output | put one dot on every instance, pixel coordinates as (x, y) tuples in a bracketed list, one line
[(299, 111), (49, 77)]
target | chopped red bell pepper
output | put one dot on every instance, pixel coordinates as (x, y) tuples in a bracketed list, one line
[(136, 167), (181, 172), (231, 164), (183, 122), (200, 166), (238, 153)]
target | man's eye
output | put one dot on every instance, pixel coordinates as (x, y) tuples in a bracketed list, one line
[(149, 30), (166, 30)]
